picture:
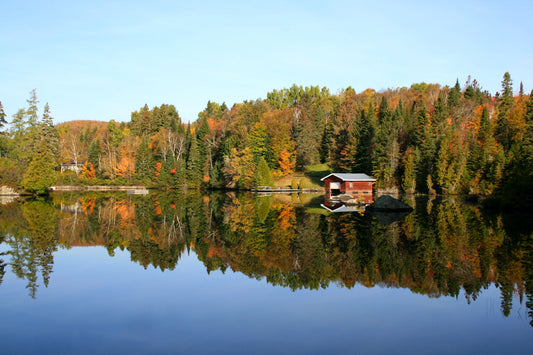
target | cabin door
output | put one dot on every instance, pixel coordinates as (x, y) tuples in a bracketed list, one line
[(335, 188)]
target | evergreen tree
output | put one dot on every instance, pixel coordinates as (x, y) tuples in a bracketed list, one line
[(307, 140), (262, 174), (454, 96), (204, 150), (40, 174), (3, 137), (31, 111), (503, 131), (25, 131), (3, 121), (95, 155), (194, 168), (144, 163), (409, 170), (364, 131), (426, 144), (342, 152), (49, 132), (326, 144), (386, 152)]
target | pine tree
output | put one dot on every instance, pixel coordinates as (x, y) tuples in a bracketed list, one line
[(40, 174), (3, 138), (454, 96), (3, 121), (144, 162), (409, 170), (32, 109), (326, 144), (364, 131), (95, 155), (204, 150), (503, 132), (386, 151), (49, 132), (194, 169)]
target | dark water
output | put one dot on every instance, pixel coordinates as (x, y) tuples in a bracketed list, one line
[(226, 273)]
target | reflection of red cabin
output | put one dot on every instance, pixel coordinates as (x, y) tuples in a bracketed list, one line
[(357, 185)]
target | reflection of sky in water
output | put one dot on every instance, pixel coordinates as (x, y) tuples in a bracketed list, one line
[(101, 304)]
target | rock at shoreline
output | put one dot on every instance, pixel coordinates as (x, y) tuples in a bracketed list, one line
[(387, 203), (349, 200)]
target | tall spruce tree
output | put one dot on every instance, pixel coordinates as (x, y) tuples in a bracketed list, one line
[(454, 96), (386, 151), (365, 133), (503, 130), (144, 163), (3, 121), (194, 167), (95, 155), (40, 174), (49, 132)]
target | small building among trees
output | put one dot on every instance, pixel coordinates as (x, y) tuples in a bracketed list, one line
[(357, 185), (73, 166)]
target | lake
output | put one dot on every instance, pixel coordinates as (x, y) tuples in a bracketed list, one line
[(241, 273)]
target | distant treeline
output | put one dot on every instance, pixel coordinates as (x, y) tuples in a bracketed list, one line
[(424, 139)]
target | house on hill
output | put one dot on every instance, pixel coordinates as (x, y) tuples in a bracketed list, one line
[(357, 185)]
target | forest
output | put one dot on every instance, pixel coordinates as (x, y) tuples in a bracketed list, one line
[(425, 139)]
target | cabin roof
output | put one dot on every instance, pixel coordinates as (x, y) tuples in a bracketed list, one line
[(350, 177)]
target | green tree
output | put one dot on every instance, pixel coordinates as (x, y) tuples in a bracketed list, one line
[(40, 174), (503, 130), (49, 132), (409, 170), (262, 174), (31, 111), (3, 138), (194, 167), (386, 153), (307, 138), (454, 96), (364, 131), (24, 131), (144, 162), (95, 154), (3, 121)]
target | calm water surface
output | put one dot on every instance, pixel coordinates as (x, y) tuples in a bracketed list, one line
[(226, 273)]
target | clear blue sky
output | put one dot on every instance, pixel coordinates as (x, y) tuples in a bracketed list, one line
[(101, 60)]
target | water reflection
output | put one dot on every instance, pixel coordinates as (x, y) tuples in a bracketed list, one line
[(442, 247)]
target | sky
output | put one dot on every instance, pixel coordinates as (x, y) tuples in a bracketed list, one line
[(101, 60)]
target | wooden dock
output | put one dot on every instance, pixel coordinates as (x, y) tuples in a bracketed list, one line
[(285, 190), (97, 188)]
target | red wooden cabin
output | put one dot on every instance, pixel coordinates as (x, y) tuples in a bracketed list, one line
[(357, 185)]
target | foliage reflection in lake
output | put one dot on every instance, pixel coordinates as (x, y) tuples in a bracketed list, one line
[(442, 247)]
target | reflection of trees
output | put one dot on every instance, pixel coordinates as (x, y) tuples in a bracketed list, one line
[(33, 245), (3, 264), (441, 248)]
